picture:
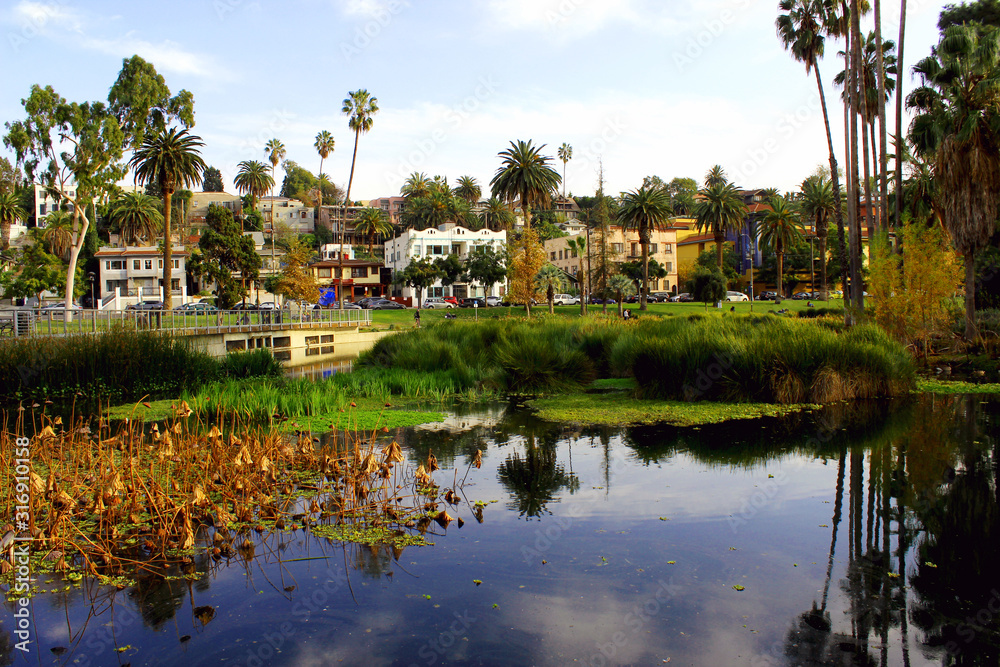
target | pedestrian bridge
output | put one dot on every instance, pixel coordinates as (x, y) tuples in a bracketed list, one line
[(294, 338)]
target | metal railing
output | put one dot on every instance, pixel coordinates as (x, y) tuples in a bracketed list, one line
[(31, 322)]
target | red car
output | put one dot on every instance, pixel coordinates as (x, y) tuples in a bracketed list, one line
[(450, 299)]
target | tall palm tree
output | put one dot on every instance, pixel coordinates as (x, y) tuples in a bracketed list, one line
[(275, 153), (720, 211), (360, 107), (817, 202), (171, 159), (955, 129), (802, 29), (58, 233), (716, 176), (497, 215), (550, 279), (900, 143), (525, 174), (252, 179), (137, 217), (578, 246), (780, 228), (372, 223), (642, 211), (10, 212), (324, 145), (565, 154), (416, 184), (468, 189)]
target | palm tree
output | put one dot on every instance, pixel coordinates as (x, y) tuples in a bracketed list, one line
[(416, 184), (565, 154), (252, 179), (955, 129), (324, 145), (497, 215), (900, 143), (172, 160), (621, 286), (780, 228), (360, 107), (525, 174), (578, 246), (716, 176), (58, 232), (371, 222), (817, 202), (642, 211), (10, 212), (802, 30), (468, 189), (551, 280), (137, 217), (721, 211), (275, 153)]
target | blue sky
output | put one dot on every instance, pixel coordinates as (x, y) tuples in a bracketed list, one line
[(643, 86)]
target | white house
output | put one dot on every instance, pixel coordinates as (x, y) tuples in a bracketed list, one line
[(135, 273), (300, 218), (448, 239)]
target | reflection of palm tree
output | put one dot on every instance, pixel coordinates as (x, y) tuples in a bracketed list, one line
[(534, 479)]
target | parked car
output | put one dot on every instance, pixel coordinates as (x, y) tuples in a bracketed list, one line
[(336, 306), (493, 301), (245, 306), (836, 294), (367, 301), (597, 301), (660, 297), (434, 302), (472, 302), (450, 299), (736, 296), (566, 300), (767, 295), (57, 307), (386, 304), (683, 297), (268, 305), (196, 307), (146, 305)]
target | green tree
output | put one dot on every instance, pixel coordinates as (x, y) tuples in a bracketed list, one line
[(780, 228), (416, 184), (621, 287), (643, 211), (136, 216), (468, 190), (986, 12), (818, 203), (296, 282), (525, 174), (275, 151), (212, 180), (173, 160), (486, 266), (450, 269), (39, 271), (57, 234), (682, 195), (565, 153), (721, 212), (373, 224), (634, 270), (142, 104), (324, 145), (550, 279), (957, 129), (707, 285), (11, 178), (252, 180), (578, 246), (497, 215), (716, 176), (10, 212), (802, 29), (360, 107), (419, 274), (225, 251)]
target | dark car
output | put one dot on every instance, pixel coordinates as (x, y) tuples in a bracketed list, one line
[(803, 296), (472, 302), (660, 297), (385, 304), (146, 305), (245, 306), (767, 296), (597, 301), (367, 301)]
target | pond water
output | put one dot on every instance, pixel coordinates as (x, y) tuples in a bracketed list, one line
[(862, 534)]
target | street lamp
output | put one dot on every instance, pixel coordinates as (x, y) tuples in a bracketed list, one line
[(90, 279)]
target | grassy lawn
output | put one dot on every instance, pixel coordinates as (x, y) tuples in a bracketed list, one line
[(381, 319)]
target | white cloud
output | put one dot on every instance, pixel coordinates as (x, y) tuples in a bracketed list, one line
[(167, 56), (369, 8)]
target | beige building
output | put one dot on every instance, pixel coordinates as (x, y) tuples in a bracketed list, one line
[(626, 248), (290, 212)]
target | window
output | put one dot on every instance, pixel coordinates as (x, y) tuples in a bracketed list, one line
[(456, 249), (42, 209), (560, 254), (652, 248), (325, 272), (116, 265), (149, 265), (177, 264), (670, 267), (668, 248), (618, 248), (136, 263), (635, 250), (416, 250), (553, 256), (359, 272), (160, 264)]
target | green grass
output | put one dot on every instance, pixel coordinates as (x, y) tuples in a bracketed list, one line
[(955, 387), (619, 408)]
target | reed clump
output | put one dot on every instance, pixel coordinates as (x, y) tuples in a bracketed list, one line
[(145, 498)]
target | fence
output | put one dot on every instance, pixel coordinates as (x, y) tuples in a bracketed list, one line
[(32, 322)]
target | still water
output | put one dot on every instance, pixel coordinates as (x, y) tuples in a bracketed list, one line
[(859, 535)]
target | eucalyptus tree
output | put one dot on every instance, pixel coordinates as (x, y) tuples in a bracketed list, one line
[(171, 159), (643, 211), (957, 129), (360, 106)]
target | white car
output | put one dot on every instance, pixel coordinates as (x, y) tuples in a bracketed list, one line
[(436, 302), (736, 296), (493, 301), (565, 300)]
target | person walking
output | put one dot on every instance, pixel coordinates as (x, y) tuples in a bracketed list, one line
[(416, 318)]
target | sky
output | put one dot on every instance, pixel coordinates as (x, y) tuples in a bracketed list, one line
[(640, 87)]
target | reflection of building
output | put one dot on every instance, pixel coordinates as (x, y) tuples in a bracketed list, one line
[(626, 248), (432, 244)]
